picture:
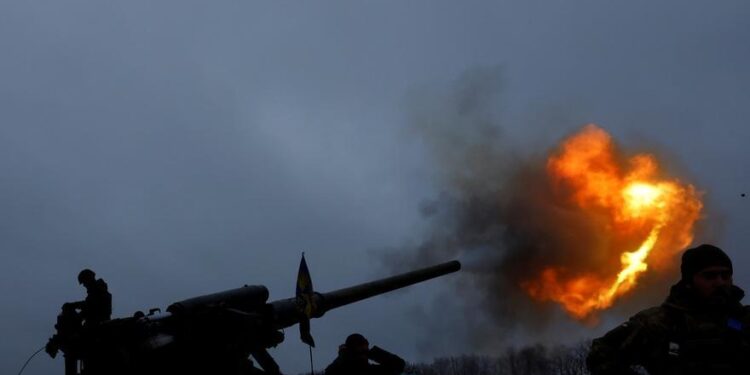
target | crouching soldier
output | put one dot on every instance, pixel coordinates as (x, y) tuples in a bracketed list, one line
[(355, 356)]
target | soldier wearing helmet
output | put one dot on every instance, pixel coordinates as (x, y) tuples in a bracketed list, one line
[(701, 328), (97, 307), (355, 356)]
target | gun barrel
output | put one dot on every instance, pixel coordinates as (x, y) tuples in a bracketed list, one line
[(345, 296), (287, 312), (245, 298)]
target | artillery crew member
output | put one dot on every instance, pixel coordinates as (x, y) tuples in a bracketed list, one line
[(74, 329), (97, 307), (701, 328), (355, 356)]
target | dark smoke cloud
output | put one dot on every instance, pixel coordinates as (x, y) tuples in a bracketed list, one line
[(496, 213)]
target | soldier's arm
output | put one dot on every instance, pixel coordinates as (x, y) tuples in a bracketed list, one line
[(616, 351), (388, 363)]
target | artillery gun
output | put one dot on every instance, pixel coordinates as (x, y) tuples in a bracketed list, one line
[(210, 334)]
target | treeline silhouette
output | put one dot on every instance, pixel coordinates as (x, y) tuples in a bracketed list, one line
[(528, 360)]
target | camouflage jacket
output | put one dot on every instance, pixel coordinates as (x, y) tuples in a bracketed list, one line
[(679, 337)]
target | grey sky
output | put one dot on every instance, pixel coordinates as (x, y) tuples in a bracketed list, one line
[(180, 148)]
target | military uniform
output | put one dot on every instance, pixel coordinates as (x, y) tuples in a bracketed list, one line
[(97, 307), (682, 336), (387, 364)]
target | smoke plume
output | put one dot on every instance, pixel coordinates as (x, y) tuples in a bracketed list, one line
[(498, 214)]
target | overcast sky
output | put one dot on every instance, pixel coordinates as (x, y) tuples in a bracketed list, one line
[(181, 148)]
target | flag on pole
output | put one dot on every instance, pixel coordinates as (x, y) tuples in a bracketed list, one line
[(305, 301), (304, 281)]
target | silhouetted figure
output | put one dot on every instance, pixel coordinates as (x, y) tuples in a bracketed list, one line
[(97, 307), (355, 356), (700, 329), (76, 330)]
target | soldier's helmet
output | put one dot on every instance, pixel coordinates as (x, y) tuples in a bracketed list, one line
[(356, 340), (86, 275)]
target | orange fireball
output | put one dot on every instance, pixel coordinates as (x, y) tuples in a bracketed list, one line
[(648, 219)]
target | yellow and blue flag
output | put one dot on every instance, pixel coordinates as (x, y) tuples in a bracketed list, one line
[(305, 301), (304, 281)]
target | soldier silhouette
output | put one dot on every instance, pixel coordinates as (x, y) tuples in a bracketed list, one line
[(74, 329), (355, 356), (97, 307), (701, 328)]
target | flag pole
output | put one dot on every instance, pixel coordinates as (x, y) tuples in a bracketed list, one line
[(312, 369), (305, 289)]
